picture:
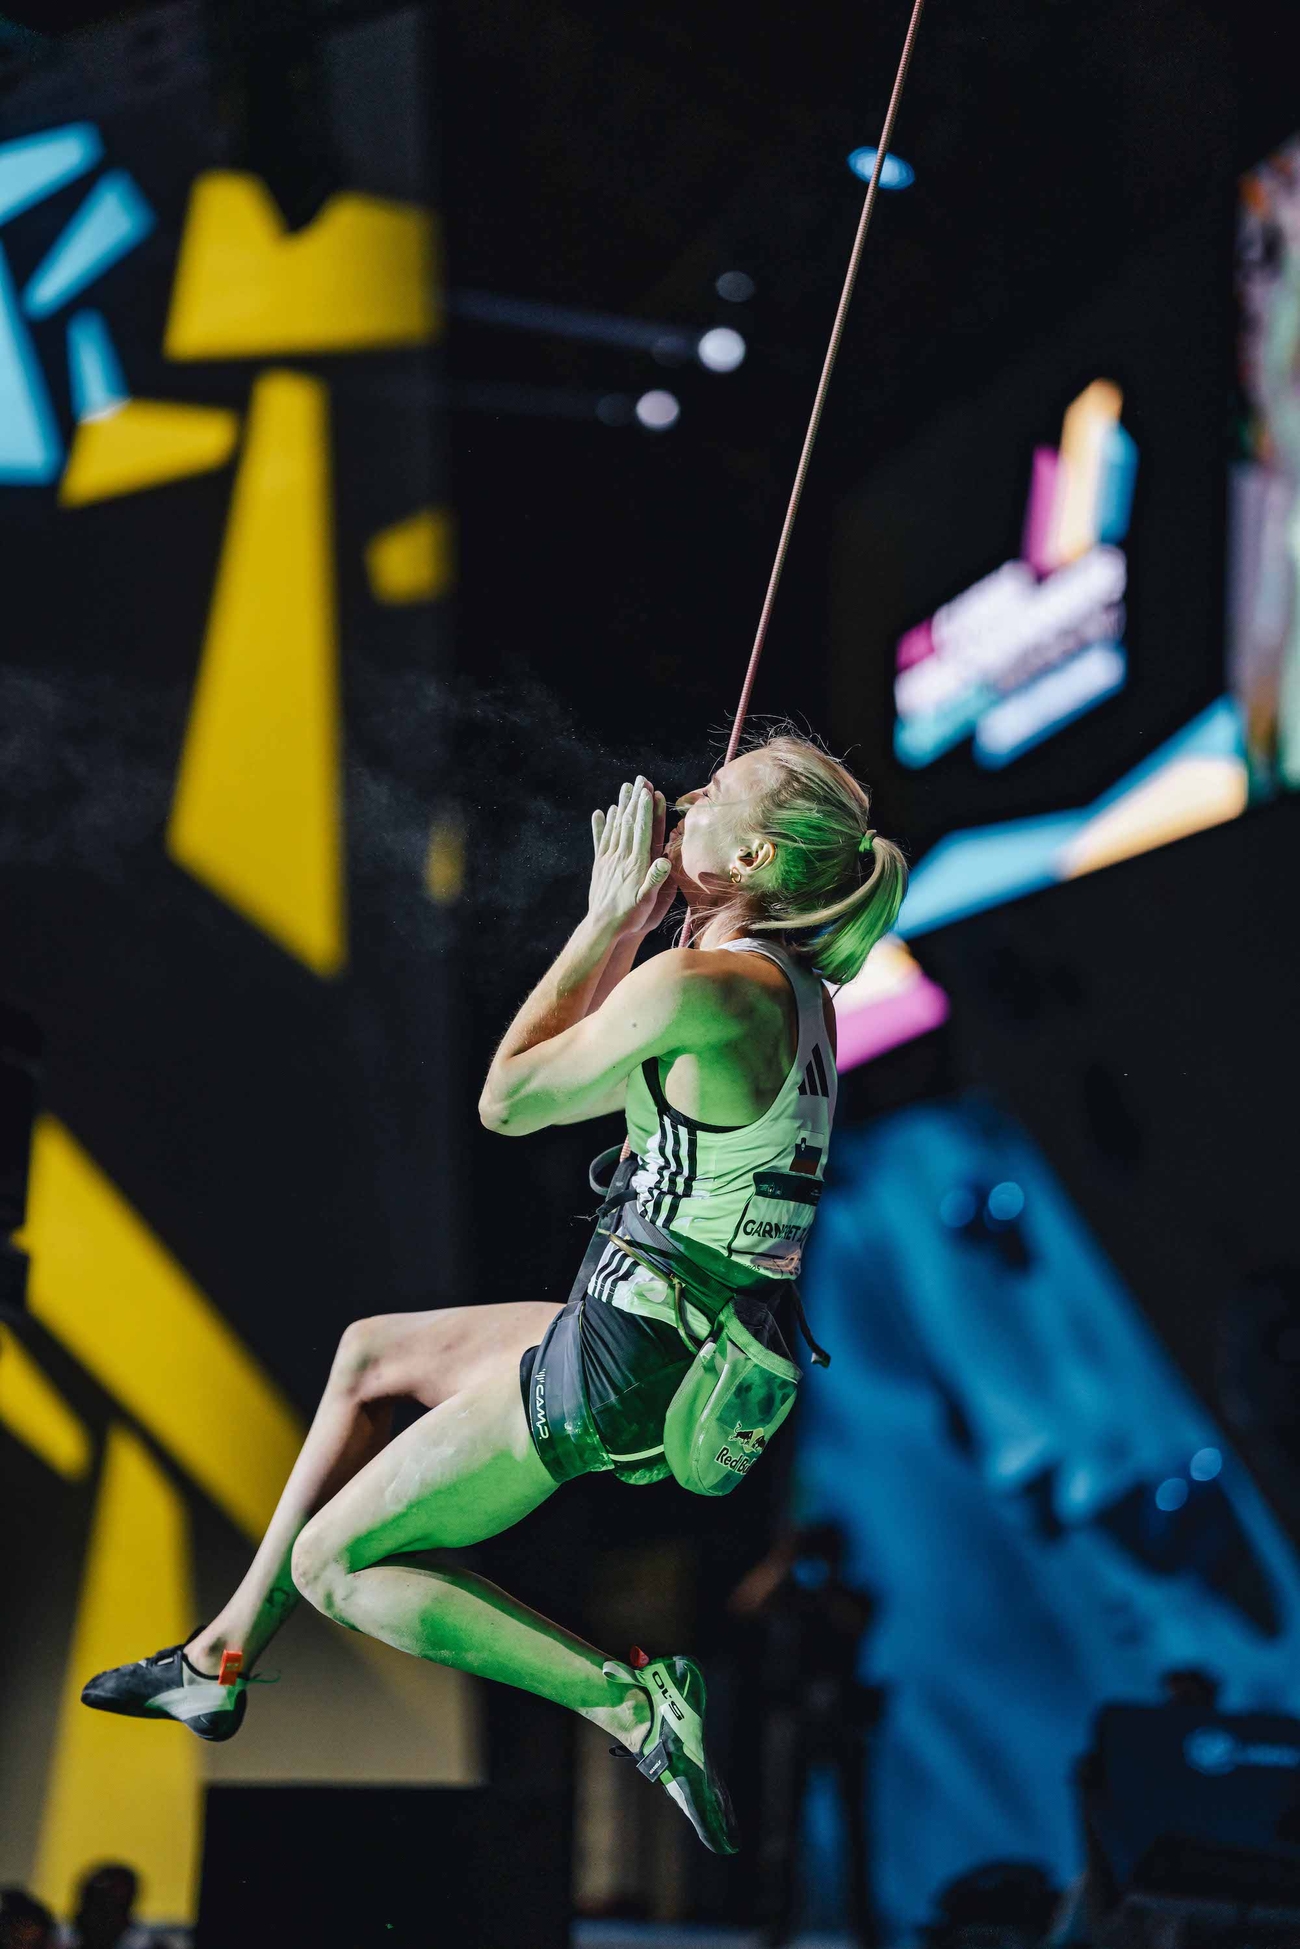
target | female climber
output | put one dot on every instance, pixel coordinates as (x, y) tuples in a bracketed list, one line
[(722, 1056)]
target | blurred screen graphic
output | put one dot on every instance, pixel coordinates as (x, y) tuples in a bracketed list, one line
[(1264, 481), (1029, 606), (1037, 642)]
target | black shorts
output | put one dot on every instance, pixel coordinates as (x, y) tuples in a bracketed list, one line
[(597, 1389)]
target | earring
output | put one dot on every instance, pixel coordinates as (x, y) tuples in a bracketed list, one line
[(736, 876)]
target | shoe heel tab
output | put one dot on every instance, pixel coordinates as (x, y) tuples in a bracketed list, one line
[(638, 1659)]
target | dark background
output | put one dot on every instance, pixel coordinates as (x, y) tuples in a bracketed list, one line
[(1073, 205), (1072, 217)]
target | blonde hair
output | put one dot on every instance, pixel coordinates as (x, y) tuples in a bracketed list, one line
[(837, 885)]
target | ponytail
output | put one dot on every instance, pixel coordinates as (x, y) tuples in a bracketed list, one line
[(837, 886), (837, 939)]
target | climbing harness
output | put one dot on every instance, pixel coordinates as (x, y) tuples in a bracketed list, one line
[(741, 1383)]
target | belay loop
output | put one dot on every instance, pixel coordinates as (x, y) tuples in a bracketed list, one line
[(600, 1176)]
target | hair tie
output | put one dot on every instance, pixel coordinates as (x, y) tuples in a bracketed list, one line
[(864, 844)]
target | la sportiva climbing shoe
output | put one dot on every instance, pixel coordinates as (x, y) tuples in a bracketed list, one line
[(167, 1686), (674, 1752)]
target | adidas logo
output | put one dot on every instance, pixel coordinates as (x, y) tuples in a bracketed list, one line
[(814, 1077)]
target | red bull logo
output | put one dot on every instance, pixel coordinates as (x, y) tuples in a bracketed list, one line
[(742, 1451)]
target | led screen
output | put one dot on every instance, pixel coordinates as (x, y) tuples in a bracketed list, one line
[(1029, 653), (1264, 488), (1039, 641)]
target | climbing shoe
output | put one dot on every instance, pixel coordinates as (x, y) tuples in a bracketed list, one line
[(674, 1752), (167, 1685)]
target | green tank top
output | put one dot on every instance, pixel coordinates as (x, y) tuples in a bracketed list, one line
[(751, 1193)]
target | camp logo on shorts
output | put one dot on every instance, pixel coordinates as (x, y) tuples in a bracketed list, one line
[(742, 1451)]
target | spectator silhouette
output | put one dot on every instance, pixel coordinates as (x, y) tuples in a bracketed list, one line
[(1008, 1904), (104, 1917), (1190, 1685), (815, 1713), (24, 1923)]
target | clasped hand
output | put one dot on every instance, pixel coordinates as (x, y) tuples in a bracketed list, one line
[(631, 880)]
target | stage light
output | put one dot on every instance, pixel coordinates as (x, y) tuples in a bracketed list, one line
[(735, 286), (1006, 1202), (896, 173), (721, 350), (1171, 1495), (566, 321), (957, 1207), (542, 402), (671, 349), (658, 410), (1206, 1463)]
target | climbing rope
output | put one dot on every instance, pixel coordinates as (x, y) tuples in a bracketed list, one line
[(823, 384)]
